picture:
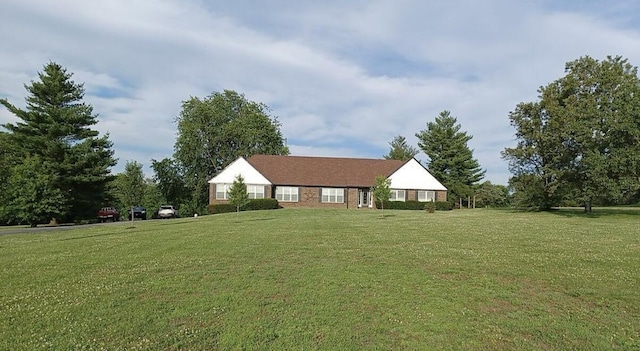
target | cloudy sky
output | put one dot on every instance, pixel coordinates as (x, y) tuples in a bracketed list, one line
[(343, 77)]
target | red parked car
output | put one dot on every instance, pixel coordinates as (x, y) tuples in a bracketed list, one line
[(108, 214)]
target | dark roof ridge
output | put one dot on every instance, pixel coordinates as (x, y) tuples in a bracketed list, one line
[(331, 157)]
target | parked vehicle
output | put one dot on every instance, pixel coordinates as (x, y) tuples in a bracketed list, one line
[(138, 212), (108, 214), (167, 211)]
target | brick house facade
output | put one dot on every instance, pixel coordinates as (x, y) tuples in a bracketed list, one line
[(326, 182)]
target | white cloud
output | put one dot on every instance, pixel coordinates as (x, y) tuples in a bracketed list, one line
[(343, 78)]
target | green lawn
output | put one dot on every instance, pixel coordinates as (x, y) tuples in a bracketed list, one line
[(328, 280)]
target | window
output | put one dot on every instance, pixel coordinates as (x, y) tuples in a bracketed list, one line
[(332, 195), (286, 194), (255, 191), (426, 196), (222, 191), (397, 195)]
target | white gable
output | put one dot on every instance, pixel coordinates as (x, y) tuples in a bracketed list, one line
[(413, 176), (243, 168)]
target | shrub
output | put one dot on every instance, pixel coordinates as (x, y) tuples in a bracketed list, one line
[(402, 205), (444, 205), (261, 204), (221, 208), (252, 205), (430, 207), (415, 205)]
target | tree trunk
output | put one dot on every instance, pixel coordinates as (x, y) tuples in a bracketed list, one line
[(587, 206)]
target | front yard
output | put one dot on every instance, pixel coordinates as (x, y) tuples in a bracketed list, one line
[(329, 279)]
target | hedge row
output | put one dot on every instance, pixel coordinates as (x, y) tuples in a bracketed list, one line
[(415, 205), (252, 205), (444, 205), (270, 204), (262, 204)]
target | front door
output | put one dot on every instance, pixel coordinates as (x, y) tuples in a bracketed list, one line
[(364, 198)]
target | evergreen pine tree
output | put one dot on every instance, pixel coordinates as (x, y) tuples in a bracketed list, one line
[(56, 126), (238, 195), (450, 159), (400, 150)]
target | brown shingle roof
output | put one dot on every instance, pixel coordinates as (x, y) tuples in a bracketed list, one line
[(322, 171)]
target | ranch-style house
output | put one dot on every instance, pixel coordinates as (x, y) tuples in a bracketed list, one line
[(302, 181)]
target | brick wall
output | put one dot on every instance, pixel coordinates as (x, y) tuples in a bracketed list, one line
[(412, 195), (213, 200), (309, 197), (212, 193)]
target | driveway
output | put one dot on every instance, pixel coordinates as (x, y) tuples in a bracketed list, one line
[(42, 228)]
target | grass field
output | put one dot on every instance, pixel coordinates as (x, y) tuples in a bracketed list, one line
[(328, 280)]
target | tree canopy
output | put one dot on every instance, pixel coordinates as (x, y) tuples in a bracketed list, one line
[(170, 182), (450, 158), (400, 150), (131, 185), (55, 127), (8, 160), (214, 131), (382, 190), (492, 195), (33, 196), (581, 140)]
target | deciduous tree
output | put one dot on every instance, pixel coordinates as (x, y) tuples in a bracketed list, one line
[(214, 131), (538, 161), (382, 191), (153, 199), (170, 181), (492, 195), (32, 195), (130, 185), (450, 158), (582, 139), (8, 160)]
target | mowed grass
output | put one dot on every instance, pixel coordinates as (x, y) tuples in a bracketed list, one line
[(328, 280)]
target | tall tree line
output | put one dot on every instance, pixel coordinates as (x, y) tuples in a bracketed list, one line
[(54, 166), (580, 142)]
